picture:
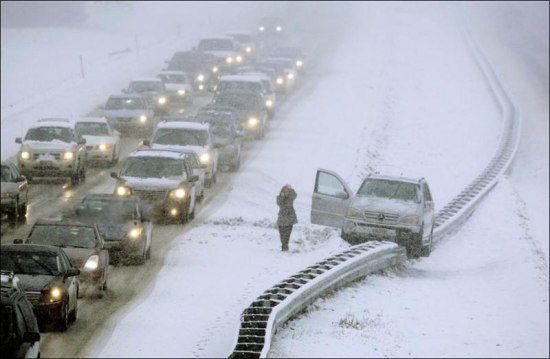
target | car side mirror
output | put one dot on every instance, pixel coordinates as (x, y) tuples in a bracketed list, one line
[(147, 143), (17, 241), (82, 141), (21, 179), (114, 175), (18, 140), (72, 272), (193, 178), (342, 195), (31, 337)]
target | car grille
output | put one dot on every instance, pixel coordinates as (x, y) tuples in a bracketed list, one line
[(57, 156), (150, 196), (124, 119), (381, 217), (33, 297)]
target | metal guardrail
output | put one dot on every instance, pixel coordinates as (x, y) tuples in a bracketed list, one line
[(278, 304)]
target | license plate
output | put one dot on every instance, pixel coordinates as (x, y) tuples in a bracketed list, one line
[(382, 232)]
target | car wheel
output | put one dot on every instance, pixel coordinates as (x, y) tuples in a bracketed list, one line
[(75, 179), (148, 253), (346, 237), (192, 214), (82, 174), (114, 160), (184, 216), (214, 177), (22, 213), (414, 247), (73, 314), (237, 165), (427, 249), (64, 320), (13, 215)]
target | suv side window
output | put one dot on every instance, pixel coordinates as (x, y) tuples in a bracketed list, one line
[(65, 260), (426, 193)]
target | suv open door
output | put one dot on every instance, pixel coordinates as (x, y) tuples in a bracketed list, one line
[(330, 200)]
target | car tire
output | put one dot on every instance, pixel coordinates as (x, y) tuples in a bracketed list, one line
[(82, 174), (75, 179), (114, 160), (414, 247), (74, 312), (13, 215), (184, 216), (215, 177), (192, 214), (22, 214), (63, 322), (346, 237), (237, 165), (427, 249), (148, 253)]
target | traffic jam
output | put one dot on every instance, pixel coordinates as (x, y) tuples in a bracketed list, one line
[(191, 120)]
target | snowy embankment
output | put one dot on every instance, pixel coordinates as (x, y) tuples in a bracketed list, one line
[(41, 68), (484, 290), (388, 96)]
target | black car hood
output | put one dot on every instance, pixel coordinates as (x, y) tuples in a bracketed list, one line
[(37, 282)]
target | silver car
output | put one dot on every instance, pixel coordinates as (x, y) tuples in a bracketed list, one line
[(15, 190), (390, 208)]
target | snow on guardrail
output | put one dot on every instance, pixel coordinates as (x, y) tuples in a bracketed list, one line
[(284, 300)]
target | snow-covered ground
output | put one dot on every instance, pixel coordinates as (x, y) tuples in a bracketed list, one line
[(484, 290)]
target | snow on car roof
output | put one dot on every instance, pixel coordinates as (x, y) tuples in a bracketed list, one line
[(220, 37), (53, 122), (394, 178), (157, 153), (146, 79), (259, 75), (242, 78), (173, 72), (184, 125), (130, 95), (91, 119)]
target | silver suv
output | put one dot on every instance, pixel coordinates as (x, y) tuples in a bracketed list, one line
[(390, 208), (52, 148)]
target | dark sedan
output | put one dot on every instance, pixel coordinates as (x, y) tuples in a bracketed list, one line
[(83, 245), (121, 222), (48, 278)]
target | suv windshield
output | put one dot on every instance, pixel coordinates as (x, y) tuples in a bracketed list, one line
[(404, 191), (30, 263), (173, 78), (215, 45), (180, 137), (242, 37), (236, 101), (152, 167), (239, 86), (113, 210), (49, 134), (125, 104), (145, 86), (63, 236), (92, 129)]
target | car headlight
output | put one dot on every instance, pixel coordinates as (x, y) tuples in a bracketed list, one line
[(25, 155), (200, 77), (201, 87), (92, 263), (56, 294), (248, 49), (215, 69), (104, 146), (261, 28), (409, 219), (68, 156), (269, 103), (299, 63), (135, 233), (181, 92), (143, 118), (123, 191), (205, 158), (229, 60), (280, 80), (290, 76), (354, 213), (178, 193), (162, 100), (253, 121), (239, 59), (279, 29)]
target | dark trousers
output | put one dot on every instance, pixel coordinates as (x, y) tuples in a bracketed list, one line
[(284, 232)]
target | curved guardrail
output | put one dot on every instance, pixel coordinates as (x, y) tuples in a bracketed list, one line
[(278, 304)]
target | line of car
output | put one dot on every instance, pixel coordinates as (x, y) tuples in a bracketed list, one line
[(161, 181)]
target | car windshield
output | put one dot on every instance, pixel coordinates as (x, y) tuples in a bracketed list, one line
[(30, 263), (92, 128), (63, 236), (404, 191), (6, 174), (215, 45), (172, 78), (180, 137), (239, 86), (152, 167), (221, 130), (145, 86), (236, 101), (211, 117), (185, 61), (49, 134), (125, 104), (113, 210), (242, 37)]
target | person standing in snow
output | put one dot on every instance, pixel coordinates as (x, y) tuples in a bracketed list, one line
[(287, 215)]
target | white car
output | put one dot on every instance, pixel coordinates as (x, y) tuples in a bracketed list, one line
[(102, 142), (385, 207), (268, 88), (224, 48), (199, 170), (181, 136)]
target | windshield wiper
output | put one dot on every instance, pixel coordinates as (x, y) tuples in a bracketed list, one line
[(43, 266)]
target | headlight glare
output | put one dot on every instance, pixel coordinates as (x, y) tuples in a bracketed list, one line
[(123, 191), (290, 76), (104, 146), (269, 103), (299, 63), (68, 156), (205, 158), (92, 263), (248, 49), (229, 60), (25, 155), (215, 69), (279, 29), (200, 78), (143, 118), (178, 193), (239, 59), (162, 100), (253, 121), (135, 233), (55, 294), (280, 80), (181, 92)]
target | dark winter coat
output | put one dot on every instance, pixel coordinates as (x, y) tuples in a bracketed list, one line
[(287, 215)]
